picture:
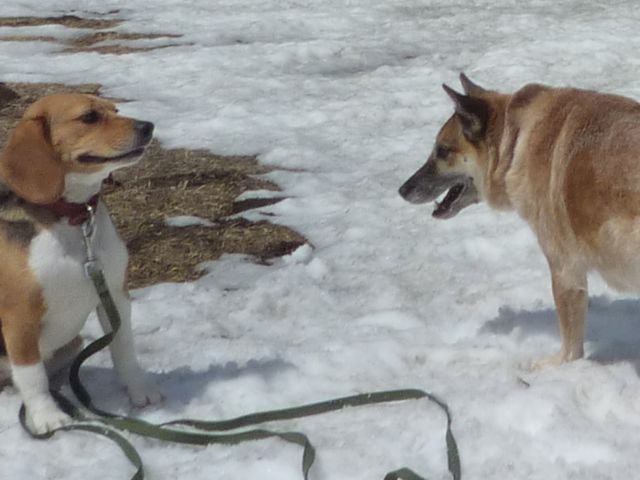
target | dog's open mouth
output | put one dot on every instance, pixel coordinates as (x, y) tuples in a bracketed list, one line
[(444, 208), (459, 196), (426, 185), (125, 156)]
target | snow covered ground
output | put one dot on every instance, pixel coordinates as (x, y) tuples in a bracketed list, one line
[(346, 95)]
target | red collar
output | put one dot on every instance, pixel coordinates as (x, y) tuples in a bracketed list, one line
[(77, 213)]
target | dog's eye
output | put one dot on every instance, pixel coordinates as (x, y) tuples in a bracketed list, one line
[(441, 152), (92, 116)]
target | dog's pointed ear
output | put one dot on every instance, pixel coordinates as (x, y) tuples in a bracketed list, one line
[(29, 165), (472, 112), (470, 88)]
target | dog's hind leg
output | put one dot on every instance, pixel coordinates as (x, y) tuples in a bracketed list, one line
[(5, 372), (5, 365), (21, 337), (571, 298), (55, 365)]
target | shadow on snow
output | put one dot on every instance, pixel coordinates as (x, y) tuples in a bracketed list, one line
[(612, 331), (179, 386)]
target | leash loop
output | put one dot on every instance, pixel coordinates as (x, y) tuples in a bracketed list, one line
[(111, 425)]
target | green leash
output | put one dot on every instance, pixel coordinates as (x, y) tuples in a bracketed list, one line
[(110, 425)]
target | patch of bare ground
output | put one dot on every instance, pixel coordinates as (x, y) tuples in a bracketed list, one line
[(117, 49), (28, 38), (91, 42), (175, 182), (71, 21)]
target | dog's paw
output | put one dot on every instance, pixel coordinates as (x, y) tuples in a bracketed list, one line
[(555, 360), (546, 362), (45, 418), (143, 391)]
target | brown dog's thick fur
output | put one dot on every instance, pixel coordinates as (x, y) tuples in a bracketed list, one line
[(568, 161)]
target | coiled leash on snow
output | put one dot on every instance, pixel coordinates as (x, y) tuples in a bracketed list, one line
[(111, 425)]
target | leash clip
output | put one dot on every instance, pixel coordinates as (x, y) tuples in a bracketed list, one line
[(91, 264)]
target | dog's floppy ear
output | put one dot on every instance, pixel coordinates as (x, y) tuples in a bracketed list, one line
[(470, 88), (472, 112), (29, 165)]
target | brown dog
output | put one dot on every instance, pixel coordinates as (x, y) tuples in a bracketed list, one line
[(567, 161), (52, 169)]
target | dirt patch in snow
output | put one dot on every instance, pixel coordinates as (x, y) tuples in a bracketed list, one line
[(102, 40)]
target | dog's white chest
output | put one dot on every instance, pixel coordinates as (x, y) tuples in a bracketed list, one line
[(57, 256)]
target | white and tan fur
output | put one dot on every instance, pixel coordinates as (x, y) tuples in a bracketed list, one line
[(568, 161), (63, 148)]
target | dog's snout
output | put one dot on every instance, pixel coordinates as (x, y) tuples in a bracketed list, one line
[(411, 192), (405, 189), (424, 185), (144, 131)]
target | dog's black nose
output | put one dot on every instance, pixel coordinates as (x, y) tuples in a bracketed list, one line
[(144, 130)]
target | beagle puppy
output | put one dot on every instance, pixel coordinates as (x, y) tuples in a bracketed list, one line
[(52, 168)]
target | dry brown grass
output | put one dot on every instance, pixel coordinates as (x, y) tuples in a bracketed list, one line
[(71, 21), (170, 183), (89, 42), (28, 38), (110, 35)]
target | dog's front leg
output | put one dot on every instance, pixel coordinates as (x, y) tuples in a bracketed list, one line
[(142, 390), (21, 337), (571, 297)]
